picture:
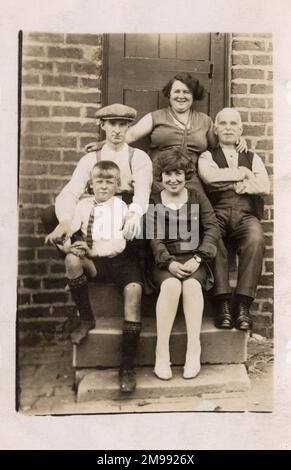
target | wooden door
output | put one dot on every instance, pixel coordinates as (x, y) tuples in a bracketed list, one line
[(137, 66)]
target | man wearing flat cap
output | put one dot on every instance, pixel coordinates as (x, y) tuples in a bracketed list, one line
[(135, 174)]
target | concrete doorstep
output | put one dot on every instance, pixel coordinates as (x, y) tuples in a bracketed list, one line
[(103, 344), (46, 379), (104, 385)]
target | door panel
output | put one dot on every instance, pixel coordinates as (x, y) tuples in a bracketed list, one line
[(139, 66), (193, 46), (141, 45), (168, 46), (145, 99)]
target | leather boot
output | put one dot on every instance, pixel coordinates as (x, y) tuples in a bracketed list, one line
[(243, 320), (79, 292), (223, 318), (127, 381), (130, 340), (81, 331)]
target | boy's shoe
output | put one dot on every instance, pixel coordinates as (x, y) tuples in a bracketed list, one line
[(127, 382), (82, 330)]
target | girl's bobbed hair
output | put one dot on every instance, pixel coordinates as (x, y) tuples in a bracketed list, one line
[(170, 160)]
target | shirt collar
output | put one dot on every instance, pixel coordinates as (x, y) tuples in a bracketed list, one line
[(105, 203), (228, 150), (109, 149)]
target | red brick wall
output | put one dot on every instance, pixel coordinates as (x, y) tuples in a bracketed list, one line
[(251, 93), (61, 92)]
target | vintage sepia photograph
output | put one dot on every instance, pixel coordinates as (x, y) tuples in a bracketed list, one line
[(145, 249)]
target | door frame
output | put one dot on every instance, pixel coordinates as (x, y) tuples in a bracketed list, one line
[(225, 69)]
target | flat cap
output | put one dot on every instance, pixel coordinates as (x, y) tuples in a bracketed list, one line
[(117, 111)]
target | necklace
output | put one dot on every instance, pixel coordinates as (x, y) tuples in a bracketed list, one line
[(174, 115)]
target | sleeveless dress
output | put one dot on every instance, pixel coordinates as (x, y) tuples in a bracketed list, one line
[(167, 134)]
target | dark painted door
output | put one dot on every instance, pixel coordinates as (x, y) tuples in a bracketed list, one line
[(137, 66)]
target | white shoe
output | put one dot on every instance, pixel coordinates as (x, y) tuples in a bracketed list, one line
[(192, 365), (191, 370), (163, 369)]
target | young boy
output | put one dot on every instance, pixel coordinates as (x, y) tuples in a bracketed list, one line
[(103, 255)]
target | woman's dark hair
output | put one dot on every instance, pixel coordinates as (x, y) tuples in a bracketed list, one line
[(171, 160), (197, 90)]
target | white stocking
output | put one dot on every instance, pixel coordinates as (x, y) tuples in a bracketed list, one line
[(193, 304), (166, 309)]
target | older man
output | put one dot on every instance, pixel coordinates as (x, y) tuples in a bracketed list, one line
[(135, 172), (235, 183)]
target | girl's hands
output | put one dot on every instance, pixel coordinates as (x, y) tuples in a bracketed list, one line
[(178, 270), (191, 265)]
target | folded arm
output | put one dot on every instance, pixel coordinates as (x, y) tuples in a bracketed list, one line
[(212, 175), (258, 182)]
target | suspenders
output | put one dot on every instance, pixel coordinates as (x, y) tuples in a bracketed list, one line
[(131, 150), (130, 156)]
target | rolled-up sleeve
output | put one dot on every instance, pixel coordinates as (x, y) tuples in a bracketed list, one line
[(210, 173), (68, 198), (259, 183), (142, 172)]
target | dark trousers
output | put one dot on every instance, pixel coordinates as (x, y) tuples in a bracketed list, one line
[(244, 233), (49, 219)]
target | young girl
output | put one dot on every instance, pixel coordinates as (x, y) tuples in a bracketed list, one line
[(181, 270)]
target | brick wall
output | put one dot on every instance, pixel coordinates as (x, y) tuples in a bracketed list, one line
[(61, 91), (61, 76), (251, 94)]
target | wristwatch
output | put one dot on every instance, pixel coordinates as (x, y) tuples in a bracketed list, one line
[(197, 258)]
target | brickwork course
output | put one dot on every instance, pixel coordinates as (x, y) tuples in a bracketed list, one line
[(61, 91)]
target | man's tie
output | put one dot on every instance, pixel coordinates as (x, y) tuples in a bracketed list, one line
[(89, 238)]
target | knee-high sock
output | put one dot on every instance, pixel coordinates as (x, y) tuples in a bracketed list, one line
[(80, 295), (193, 304), (166, 310), (130, 340)]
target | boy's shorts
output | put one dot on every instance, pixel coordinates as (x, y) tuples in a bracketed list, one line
[(121, 270)]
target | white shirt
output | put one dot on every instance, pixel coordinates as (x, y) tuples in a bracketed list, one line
[(231, 156), (257, 181), (138, 182), (107, 236)]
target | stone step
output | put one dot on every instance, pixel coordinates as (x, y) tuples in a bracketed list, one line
[(103, 384), (107, 301), (100, 294), (103, 344)]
